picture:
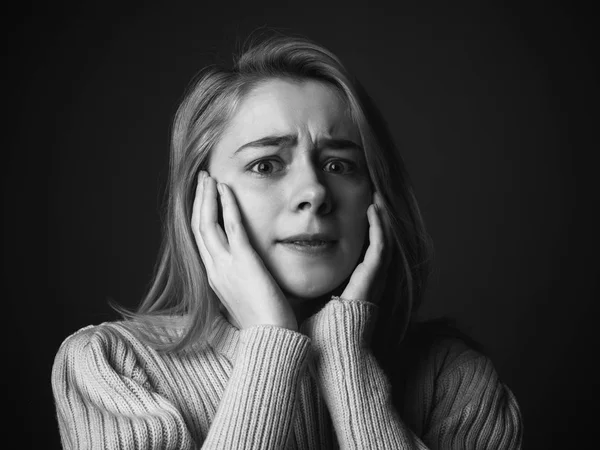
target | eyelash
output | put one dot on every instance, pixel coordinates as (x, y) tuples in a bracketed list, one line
[(262, 161), (350, 166)]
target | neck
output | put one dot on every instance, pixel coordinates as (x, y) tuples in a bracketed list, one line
[(303, 307), (306, 307)]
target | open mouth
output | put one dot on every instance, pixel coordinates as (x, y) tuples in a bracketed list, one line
[(310, 243), (313, 247)]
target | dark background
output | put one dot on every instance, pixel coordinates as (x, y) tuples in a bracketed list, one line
[(494, 108)]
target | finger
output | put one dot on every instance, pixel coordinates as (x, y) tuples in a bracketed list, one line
[(388, 235), (378, 201), (377, 198), (197, 203), (214, 237), (196, 213), (374, 252), (364, 274), (232, 219)]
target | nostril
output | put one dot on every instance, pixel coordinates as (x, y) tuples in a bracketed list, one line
[(312, 196), (304, 205)]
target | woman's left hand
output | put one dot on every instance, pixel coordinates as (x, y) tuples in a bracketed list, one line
[(368, 279)]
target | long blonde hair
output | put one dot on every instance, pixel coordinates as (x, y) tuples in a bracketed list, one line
[(180, 286)]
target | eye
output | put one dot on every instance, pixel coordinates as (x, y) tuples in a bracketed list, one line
[(337, 166), (265, 167)]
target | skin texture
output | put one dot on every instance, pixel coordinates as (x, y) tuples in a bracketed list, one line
[(278, 189)]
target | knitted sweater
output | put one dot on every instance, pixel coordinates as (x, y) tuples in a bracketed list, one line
[(270, 387)]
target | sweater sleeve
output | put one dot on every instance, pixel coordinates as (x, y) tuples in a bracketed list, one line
[(470, 408), (355, 388), (105, 400), (258, 406)]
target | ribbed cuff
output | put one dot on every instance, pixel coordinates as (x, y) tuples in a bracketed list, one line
[(342, 323), (355, 389), (261, 346), (258, 405)]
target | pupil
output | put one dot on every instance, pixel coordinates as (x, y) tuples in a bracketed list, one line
[(263, 167)]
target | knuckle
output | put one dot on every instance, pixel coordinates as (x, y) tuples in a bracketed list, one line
[(202, 224), (195, 225), (211, 283), (231, 227), (198, 240)]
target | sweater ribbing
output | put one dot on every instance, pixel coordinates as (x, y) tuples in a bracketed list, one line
[(269, 387)]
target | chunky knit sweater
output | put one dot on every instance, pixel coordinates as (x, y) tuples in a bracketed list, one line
[(270, 387)]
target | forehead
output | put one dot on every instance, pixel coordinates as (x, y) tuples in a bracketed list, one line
[(308, 108)]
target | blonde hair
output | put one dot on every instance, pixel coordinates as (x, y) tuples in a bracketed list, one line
[(180, 286)]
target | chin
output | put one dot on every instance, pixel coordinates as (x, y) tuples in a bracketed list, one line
[(311, 286), (310, 278), (306, 292)]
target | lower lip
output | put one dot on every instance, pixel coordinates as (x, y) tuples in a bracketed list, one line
[(322, 248)]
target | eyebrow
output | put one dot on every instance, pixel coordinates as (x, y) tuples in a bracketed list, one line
[(288, 139)]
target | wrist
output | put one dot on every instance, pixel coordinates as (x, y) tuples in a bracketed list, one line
[(342, 322)]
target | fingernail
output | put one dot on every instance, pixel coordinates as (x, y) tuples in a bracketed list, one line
[(220, 188)]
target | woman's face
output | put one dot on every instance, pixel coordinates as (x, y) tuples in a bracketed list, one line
[(292, 157)]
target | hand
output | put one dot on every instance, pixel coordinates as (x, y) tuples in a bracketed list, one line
[(235, 271), (367, 280)]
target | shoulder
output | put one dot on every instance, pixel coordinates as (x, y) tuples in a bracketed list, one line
[(102, 336), (92, 345), (456, 368), (459, 369), (452, 357), (442, 344), (437, 357), (448, 376), (118, 336), (101, 352)]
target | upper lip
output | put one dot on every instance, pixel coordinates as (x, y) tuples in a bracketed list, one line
[(309, 237)]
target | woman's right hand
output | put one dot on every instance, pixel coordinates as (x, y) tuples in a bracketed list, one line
[(235, 271)]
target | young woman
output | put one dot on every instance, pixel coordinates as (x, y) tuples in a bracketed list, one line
[(281, 312)]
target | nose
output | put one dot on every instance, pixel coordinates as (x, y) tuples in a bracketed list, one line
[(309, 192)]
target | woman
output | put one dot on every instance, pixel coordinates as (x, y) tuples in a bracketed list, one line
[(293, 261)]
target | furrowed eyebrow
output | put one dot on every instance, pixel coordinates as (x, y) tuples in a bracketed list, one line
[(288, 139), (339, 144), (269, 141)]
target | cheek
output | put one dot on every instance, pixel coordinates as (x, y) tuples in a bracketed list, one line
[(254, 201), (353, 204), (356, 231), (258, 211)]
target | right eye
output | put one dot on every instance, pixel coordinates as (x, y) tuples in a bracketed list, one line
[(266, 167)]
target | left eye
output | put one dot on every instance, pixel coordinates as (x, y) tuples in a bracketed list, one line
[(337, 166)]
